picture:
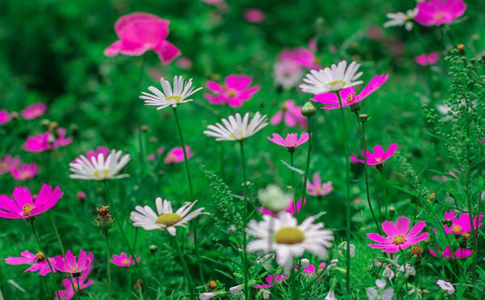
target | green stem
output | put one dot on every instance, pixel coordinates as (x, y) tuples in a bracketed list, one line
[(404, 265), (293, 180), (247, 202), (185, 268), (383, 181), (307, 167), (108, 265)]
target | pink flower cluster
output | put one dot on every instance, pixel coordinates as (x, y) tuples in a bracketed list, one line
[(33, 111), (47, 141), (427, 59), (234, 92), (290, 114)]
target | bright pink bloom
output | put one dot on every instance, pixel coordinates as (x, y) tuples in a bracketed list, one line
[(427, 59), (289, 208), (271, 280), (72, 265), (22, 206), (25, 171), (302, 56), (438, 12), (460, 253), (47, 141), (4, 117), (8, 163), (140, 32), (461, 224), (34, 111), (398, 235), (291, 114), (123, 260), (308, 270), (38, 262), (176, 155), (291, 142), (234, 92), (80, 283), (254, 15), (348, 95), (378, 157), (318, 188)]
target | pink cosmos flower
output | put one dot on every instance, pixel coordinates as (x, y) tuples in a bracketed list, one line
[(308, 270), (4, 117), (8, 163), (439, 12), (234, 92), (254, 15), (318, 188), (25, 171), (461, 224), (160, 151), (47, 141), (37, 261), (95, 153), (291, 142), (22, 206), (289, 208), (72, 265), (302, 56), (290, 114), (80, 283), (271, 280), (427, 59), (378, 157), (460, 253), (348, 95), (140, 32), (398, 235), (287, 73), (81, 196), (34, 111), (123, 260), (176, 155)]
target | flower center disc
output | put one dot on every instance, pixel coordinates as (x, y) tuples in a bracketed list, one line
[(399, 239), (337, 82), (231, 93), (27, 209), (456, 229), (175, 98), (125, 262), (39, 256), (350, 98), (289, 236), (168, 219)]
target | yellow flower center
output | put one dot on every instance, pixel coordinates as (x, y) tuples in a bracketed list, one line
[(378, 160), (337, 82), (399, 239), (3, 166), (456, 229), (350, 98), (175, 98), (231, 93), (75, 268), (27, 209), (168, 219), (101, 174), (125, 261), (437, 16), (289, 236), (39, 256)]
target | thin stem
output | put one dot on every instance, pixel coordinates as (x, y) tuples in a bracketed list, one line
[(383, 181), (185, 268), (108, 265), (404, 265), (293, 180), (246, 197), (307, 167)]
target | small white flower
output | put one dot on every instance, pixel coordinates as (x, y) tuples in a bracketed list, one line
[(99, 168), (305, 262), (410, 271), (380, 293), (237, 128), (402, 19), (342, 249), (236, 290), (274, 198), (266, 294), (289, 239), (287, 73), (380, 283), (330, 296), (332, 79), (170, 97), (388, 272), (165, 218), (206, 296), (446, 286)]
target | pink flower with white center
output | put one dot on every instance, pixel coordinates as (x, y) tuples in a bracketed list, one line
[(348, 96), (291, 142), (141, 32), (47, 141), (123, 260), (290, 114), (254, 15), (23, 205), (399, 237), (234, 92), (302, 56), (25, 171), (287, 73), (4, 117), (176, 155), (37, 261), (460, 253), (439, 12), (318, 188), (290, 208), (378, 157), (34, 111), (73, 265), (80, 283), (461, 224), (271, 280), (427, 59), (8, 163)]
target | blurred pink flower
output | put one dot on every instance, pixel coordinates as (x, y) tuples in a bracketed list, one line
[(318, 188), (234, 92), (254, 15), (37, 261), (25, 171), (95, 153), (287, 73), (8, 163), (4, 117), (375, 33), (73, 265), (153, 156), (461, 224), (398, 235), (176, 155), (271, 280), (460, 253), (140, 32), (291, 114), (34, 111), (378, 157), (302, 56), (308, 270), (289, 208), (81, 196), (184, 63), (123, 260), (291, 142), (427, 59), (438, 12), (80, 283), (47, 141)]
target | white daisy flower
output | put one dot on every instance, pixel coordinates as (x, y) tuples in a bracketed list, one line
[(237, 128), (402, 19), (288, 239), (180, 93), (99, 167), (165, 218), (332, 79)]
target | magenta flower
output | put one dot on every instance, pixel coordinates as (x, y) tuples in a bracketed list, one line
[(34, 111), (8, 163), (289, 208), (234, 92), (348, 95), (302, 56), (80, 283), (308, 270), (291, 142), (271, 280), (427, 59), (47, 141), (37, 261), (4, 117), (461, 224), (290, 114), (460, 253), (378, 157), (318, 188), (176, 155), (140, 32), (25, 171), (94, 153), (160, 151), (439, 12), (123, 260), (22, 206), (398, 235), (254, 15), (72, 265)]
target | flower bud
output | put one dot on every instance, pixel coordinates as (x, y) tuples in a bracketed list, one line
[(308, 109), (81, 196), (104, 220), (363, 117), (144, 128), (305, 262), (212, 285), (153, 249), (461, 48), (273, 198)]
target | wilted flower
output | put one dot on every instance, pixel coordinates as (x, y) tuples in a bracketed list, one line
[(123, 260), (104, 219), (34, 111), (171, 96), (332, 79), (446, 286), (290, 114), (439, 12), (291, 142), (378, 157), (237, 128), (234, 92), (402, 19), (99, 168), (176, 155), (274, 198), (318, 188), (25, 171), (37, 261)]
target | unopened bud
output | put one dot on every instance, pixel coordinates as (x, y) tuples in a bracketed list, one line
[(104, 220), (144, 128), (363, 117), (461, 48), (432, 196), (81, 196), (417, 251), (212, 285), (308, 109), (153, 249)]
